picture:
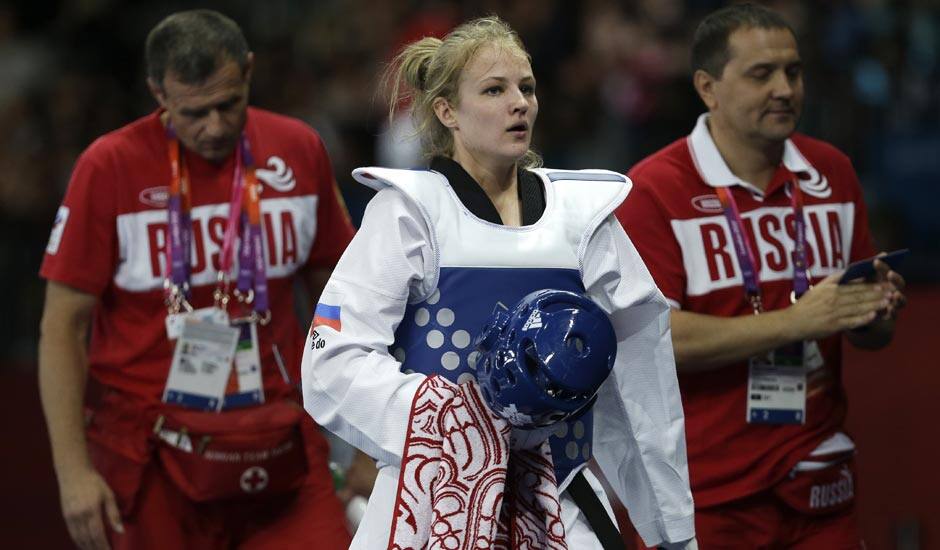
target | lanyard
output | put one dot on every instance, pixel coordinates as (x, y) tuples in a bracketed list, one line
[(749, 273), (244, 212), (179, 235), (251, 264)]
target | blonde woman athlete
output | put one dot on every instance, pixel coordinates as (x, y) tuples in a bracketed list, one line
[(439, 248)]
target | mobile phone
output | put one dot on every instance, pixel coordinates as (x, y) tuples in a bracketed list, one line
[(863, 269)]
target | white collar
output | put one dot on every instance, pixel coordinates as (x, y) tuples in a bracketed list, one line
[(714, 170)]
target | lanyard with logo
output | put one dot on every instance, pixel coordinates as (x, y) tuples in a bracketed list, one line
[(179, 235), (208, 341), (776, 392), (244, 212), (745, 254)]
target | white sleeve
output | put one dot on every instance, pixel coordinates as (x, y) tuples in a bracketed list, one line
[(351, 385), (639, 427)]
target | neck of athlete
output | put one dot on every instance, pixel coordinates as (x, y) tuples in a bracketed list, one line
[(499, 180)]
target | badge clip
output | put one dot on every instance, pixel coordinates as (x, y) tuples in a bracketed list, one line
[(756, 303), (175, 299), (220, 295)]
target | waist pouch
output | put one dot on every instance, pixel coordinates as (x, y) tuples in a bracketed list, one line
[(818, 488), (241, 453)]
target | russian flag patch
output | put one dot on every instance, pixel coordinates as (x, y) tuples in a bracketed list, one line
[(327, 315)]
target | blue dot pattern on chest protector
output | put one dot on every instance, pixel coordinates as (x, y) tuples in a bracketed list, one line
[(435, 336)]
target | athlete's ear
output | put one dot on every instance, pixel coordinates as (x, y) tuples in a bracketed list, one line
[(156, 90), (705, 86), (445, 113)]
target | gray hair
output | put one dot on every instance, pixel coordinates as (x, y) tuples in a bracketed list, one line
[(193, 45)]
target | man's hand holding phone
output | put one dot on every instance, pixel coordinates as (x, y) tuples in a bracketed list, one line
[(881, 269)]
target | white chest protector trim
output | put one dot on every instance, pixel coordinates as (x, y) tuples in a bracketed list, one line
[(577, 202)]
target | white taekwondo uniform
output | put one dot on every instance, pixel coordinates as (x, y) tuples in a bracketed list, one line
[(415, 287)]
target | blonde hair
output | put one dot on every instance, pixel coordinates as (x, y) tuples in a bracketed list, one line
[(430, 68)]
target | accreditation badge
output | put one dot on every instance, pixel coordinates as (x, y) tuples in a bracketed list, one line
[(174, 321), (244, 387), (776, 386), (202, 362)]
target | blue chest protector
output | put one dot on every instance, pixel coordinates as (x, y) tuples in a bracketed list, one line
[(481, 265)]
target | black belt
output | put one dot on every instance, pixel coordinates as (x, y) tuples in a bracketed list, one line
[(584, 496)]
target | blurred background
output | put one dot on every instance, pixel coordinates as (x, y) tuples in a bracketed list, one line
[(613, 86)]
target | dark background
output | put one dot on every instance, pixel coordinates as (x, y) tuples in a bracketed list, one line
[(613, 86)]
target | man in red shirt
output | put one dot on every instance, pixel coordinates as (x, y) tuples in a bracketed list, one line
[(149, 229), (746, 227)]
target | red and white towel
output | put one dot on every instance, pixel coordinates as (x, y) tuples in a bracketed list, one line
[(462, 488)]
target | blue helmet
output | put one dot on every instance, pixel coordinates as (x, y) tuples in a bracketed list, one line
[(544, 360)]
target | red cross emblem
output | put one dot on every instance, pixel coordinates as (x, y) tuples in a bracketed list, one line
[(254, 479)]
